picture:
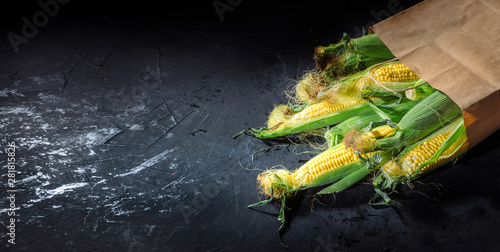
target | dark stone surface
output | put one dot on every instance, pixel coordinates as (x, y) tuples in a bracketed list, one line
[(123, 115)]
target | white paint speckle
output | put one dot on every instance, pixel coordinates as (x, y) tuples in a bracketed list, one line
[(45, 127), (137, 127), (102, 181), (5, 92), (60, 152), (16, 111)]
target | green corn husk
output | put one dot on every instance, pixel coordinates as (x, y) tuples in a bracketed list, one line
[(420, 91), (334, 135), (385, 184), (368, 45), (351, 55), (362, 120), (428, 115), (347, 64)]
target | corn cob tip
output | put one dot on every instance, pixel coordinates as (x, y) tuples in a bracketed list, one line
[(280, 114), (321, 59), (393, 169), (365, 142), (357, 142), (279, 180), (351, 90), (307, 89)]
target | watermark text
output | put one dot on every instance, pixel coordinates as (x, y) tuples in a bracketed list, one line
[(393, 7), (29, 29), (11, 191), (222, 7)]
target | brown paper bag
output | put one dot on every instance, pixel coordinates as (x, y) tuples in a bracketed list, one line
[(455, 46)]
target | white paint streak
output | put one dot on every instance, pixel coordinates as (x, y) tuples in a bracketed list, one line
[(47, 194), (30, 178), (101, 181), (148, 163), (136, 127)]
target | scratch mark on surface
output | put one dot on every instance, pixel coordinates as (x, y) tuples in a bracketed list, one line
[(100, 160), (166, 132), (67, 76), (157, 124), (158, 63), (169, 111), (282, 61), (140, 119), (105, 57), (148, 163), (176, 182), (110, 52), (115, 135), (202, 121), (57, 191), (14, 74)]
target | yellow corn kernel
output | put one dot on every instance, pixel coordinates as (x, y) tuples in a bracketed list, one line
[(378, 132), (318, 109), (423, 152), (393, 73), (324, 162)]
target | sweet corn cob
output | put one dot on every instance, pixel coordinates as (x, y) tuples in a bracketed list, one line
[(379, 132), (325, 162), (393, 73), (283, 181), (408, 164), (318, 109), (315, 115), (334, 158)]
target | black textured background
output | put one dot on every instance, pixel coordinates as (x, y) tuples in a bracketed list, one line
[(123, 114)]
